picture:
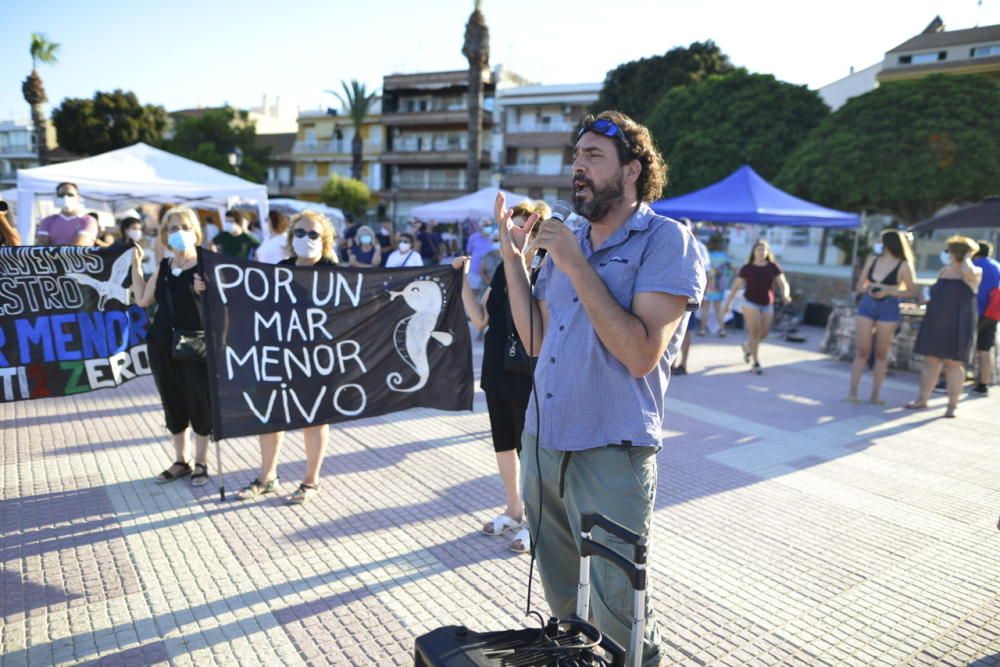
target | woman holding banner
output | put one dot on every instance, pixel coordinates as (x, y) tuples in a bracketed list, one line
[(312, 241), (507, 387), (181, 376)]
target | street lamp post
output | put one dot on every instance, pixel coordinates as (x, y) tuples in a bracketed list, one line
[(235, 157)]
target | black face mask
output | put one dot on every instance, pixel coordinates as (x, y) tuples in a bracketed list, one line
[(602, 200)]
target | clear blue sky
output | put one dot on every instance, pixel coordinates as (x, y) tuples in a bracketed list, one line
[(185, 53)]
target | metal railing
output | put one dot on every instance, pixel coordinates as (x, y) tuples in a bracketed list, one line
[(535, 170), (560, 126)]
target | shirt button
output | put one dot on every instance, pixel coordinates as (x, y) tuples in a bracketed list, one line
[(552, 360), (562, 327), (576, 299), (548, 395)]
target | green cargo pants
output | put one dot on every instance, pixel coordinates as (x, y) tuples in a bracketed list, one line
[(618, 482)]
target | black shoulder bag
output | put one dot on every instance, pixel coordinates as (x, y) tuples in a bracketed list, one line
[(516, 359), (185, 344)]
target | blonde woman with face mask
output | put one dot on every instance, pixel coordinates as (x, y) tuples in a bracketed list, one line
[(312, 241), (182, 384)]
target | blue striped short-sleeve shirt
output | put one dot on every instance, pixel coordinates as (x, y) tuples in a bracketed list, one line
[(586, 397)]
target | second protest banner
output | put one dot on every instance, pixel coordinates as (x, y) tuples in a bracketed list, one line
[(290, 347)]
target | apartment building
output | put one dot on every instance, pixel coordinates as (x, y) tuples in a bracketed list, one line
[(281, 169), (940, 51), (322, 148), (18, 149), (537, 125)]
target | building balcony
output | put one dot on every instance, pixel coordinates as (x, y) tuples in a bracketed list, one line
[(322, 148), (18, 152), (432, 118), (533, 128), (539, 139), (524, 176), (431, 157)]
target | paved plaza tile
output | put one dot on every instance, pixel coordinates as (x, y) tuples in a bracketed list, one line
[(791, 528)]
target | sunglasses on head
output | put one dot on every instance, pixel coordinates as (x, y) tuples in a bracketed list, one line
[(606, 128), (301, 233)]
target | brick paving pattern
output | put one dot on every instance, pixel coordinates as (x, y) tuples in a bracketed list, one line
[(791, 528)]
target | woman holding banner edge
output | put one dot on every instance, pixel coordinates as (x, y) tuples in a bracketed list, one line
[(182, 384), (312, 241)]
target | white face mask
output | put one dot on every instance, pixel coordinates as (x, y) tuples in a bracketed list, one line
[(67, 202), (366, 239), (877, 248), (228, 226), (945, 257), (307, 247), (404, 246), (496, 245), (134, 234)]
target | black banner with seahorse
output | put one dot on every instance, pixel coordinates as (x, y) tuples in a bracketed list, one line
[(290, 347), (67, 324)]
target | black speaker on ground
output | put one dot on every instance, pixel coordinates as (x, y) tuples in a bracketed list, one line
[(817, 314)]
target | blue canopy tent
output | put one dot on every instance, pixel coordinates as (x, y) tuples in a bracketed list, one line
[(745, 197)]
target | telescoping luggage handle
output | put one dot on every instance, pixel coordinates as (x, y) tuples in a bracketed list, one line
[(635, 571)]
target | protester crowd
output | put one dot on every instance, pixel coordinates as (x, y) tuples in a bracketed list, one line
[(597, 312)]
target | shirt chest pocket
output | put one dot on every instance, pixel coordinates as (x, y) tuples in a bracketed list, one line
[(619, 276)]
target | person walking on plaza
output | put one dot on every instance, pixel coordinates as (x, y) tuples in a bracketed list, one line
[(949, 325), (605, 321), (986, 332), (233, 240), (757, 278), (886, 277), (70, 226), (506, 386), (181, 382), (366, 252), (312, 241), (720, 273)]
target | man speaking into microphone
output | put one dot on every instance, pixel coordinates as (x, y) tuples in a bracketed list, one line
[(605, 319)]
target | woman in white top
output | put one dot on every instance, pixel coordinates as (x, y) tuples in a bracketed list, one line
[(404, 254), (275, 248)]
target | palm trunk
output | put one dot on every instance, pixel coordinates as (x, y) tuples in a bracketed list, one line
[(357, 146), (41, 135), (475, 127)]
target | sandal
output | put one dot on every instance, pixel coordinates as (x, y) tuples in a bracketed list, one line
[(522, 541), (303, 493), (200, 476), (878, 402), (257, 488), (915, 405), (180, 468), (500, 525)]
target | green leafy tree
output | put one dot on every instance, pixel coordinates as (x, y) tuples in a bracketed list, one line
[(708, 130), (42, 51), (106, 122), (357, 101), (906, 148), (347, 194), (635, 87), (210, 137)]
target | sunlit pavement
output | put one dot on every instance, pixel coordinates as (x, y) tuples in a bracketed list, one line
[(791, 528)]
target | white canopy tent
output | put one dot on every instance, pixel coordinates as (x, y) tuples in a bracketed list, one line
[(473, 206), (134, 174)]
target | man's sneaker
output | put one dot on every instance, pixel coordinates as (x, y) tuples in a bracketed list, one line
[(981, 389)]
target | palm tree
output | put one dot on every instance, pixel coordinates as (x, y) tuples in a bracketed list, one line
[(42, 51), (356, 100), (477, 51)]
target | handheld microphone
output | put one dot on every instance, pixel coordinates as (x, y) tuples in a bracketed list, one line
[(560, 211)]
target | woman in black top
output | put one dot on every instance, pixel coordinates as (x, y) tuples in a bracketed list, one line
[(948, 329), (506, 392), (183, 385), (365, 252), (886, 278)]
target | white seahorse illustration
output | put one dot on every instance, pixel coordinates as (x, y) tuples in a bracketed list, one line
[(413, 334), (111, 288)]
